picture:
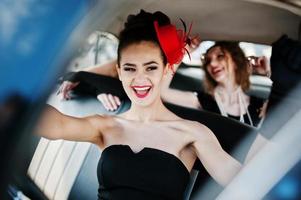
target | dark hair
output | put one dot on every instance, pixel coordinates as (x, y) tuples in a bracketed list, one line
[(140, 28), (241, 73)]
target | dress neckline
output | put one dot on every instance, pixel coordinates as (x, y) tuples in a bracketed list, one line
[(145, 149)]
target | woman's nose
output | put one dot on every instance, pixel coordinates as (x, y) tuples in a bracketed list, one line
[(213, 63), (140, 76)]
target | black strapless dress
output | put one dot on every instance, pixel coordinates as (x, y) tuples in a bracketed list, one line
[(150, 174)]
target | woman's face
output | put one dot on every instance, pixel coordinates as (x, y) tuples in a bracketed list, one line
[(220, 65), (141, 72)]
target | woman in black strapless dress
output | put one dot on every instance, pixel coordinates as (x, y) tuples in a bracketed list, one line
[(148, 151)]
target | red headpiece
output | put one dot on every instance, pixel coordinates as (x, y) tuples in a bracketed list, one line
[(173, 42)]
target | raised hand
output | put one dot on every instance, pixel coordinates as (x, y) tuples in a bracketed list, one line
[(66, 88), (260, 65), (109, 101), (194, 43)]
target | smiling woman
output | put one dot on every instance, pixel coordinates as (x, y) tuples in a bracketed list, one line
[(227, 73), (141, 72), (148, 150), (34, 47)]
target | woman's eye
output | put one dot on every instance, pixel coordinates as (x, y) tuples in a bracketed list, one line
[(220, 56), (129, 69), (151, 68), (206, 61)]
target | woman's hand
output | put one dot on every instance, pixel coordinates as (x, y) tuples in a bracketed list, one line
[(260, 65), (194, 44), (109, 101), (66, 88)]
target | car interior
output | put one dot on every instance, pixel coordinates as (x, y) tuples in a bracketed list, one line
[(44, 169)]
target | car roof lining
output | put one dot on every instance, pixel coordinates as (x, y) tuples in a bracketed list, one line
[(241, 20)]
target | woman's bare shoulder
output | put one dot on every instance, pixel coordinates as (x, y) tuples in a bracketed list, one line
[(104, 122), (198, 130), (195, 125)]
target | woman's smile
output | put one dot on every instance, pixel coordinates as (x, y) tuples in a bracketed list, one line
[(217, 71), (142, 91)]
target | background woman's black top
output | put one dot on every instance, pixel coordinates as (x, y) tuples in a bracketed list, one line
[(209, 104)]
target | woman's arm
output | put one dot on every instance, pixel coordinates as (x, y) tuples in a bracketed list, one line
[(55, 125), (181, 98), (178, 97), (220, 165), (109, 101), (259, 142), (71, 79), (107, 69)]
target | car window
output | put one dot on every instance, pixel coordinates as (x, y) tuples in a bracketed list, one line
[(99, 47)]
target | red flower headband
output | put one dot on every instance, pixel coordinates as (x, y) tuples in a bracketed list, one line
[(173, 42)]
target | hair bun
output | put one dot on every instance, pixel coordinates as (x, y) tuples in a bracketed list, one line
[(140, 27), (143, 19)]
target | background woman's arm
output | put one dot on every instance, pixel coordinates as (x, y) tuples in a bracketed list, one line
[(178, 97)]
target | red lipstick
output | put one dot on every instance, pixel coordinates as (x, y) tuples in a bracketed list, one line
[(141, 91)]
